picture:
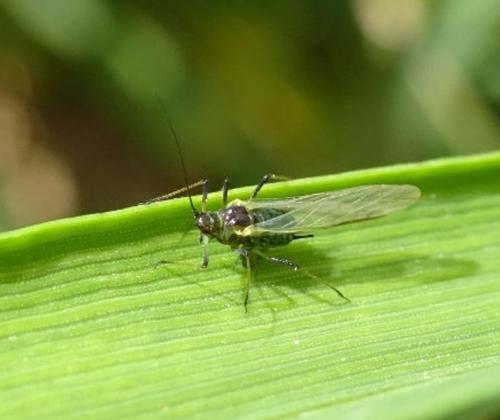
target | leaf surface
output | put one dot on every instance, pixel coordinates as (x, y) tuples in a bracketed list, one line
[(89, 328)]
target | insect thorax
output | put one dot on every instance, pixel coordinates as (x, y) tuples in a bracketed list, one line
[(236, 218)]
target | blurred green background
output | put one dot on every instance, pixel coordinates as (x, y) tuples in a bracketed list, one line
[(298, 88)]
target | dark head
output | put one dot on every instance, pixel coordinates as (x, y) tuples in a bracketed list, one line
[(206, 222)]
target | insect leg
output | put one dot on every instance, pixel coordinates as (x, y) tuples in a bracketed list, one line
[(279, 260), (204, 264), (204, 196), (225, 189), (265, 180), (165, 262), (246, 259), (295, 267), (204, 242), (249, 279), (175, 193)]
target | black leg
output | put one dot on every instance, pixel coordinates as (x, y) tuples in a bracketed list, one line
[(225, 189), (295, 267), (265, 180)]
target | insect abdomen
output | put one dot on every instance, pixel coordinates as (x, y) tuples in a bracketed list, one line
[(261, 215), (235, 217), (266, 240)]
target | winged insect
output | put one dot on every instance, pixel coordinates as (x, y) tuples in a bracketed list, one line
[(251, 226)]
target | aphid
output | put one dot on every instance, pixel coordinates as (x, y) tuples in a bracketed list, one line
[(251, 226)]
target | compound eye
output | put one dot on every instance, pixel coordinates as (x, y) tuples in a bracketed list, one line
[(204, 223)]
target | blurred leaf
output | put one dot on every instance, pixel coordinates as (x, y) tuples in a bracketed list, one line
[(146, 62), (448, 75), (72, 29), (90, 329)]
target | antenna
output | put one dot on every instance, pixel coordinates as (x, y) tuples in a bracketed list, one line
[(181, 157)]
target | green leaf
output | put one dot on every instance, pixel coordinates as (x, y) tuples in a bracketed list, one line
[(88, 327)]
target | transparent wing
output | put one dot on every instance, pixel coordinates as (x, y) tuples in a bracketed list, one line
[(329, 209)]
